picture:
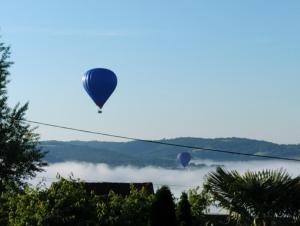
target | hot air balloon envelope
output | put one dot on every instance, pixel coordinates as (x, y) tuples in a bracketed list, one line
[(184, 158), (99, 83)]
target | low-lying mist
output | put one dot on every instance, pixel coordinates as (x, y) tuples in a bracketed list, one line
[(177, 179)]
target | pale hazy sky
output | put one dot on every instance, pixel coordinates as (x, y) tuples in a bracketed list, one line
[(185, 68)]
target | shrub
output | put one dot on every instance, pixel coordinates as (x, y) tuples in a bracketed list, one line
[(183, 211), (163, 208)]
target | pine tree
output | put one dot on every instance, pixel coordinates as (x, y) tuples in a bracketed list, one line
[(163, 208), (20, 157), (183, 211)]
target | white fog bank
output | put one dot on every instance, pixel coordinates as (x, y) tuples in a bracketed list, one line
[(177, 179)]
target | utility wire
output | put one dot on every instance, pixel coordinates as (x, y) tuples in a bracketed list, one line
[(161, 142)]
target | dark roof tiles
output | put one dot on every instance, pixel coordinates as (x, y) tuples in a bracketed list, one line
[(103, 188)]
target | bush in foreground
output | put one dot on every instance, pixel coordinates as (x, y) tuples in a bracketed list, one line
[(256, 198), (163, 208)]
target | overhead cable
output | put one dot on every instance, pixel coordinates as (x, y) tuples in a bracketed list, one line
[(162, 142)]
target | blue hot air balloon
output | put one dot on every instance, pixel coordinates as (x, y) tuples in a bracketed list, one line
[(184, 158), (99, 83)]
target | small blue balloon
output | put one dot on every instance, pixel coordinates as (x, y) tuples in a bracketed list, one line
[(184, 158), (99, 83)]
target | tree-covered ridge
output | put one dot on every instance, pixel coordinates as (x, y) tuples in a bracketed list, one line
[(141, 154)]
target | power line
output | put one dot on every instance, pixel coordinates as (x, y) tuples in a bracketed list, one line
[(161, 142)]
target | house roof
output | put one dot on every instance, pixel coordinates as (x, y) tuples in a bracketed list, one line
[(103, 188)]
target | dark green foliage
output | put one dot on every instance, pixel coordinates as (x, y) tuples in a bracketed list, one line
[(136, 208), (5, 205), (199, 201), (183, 211), (132, 210), (256, 198), (163, 208), (69, 204), (26, 208), (19, 156), (109, 210), (64, 203)]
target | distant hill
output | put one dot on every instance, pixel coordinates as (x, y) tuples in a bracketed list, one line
[(142, 154)]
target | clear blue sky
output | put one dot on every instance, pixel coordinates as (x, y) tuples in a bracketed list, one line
[(185, 68)]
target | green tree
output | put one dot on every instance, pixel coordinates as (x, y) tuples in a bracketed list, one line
[(199, 201), (20, 158), (163, 208), (26, 208), (137, 208), (109, 210), (68, 203), (255, 198), (183, 211), (132, 210), (65, 203)]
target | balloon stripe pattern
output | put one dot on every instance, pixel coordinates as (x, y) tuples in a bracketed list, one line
[(99, 83)]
